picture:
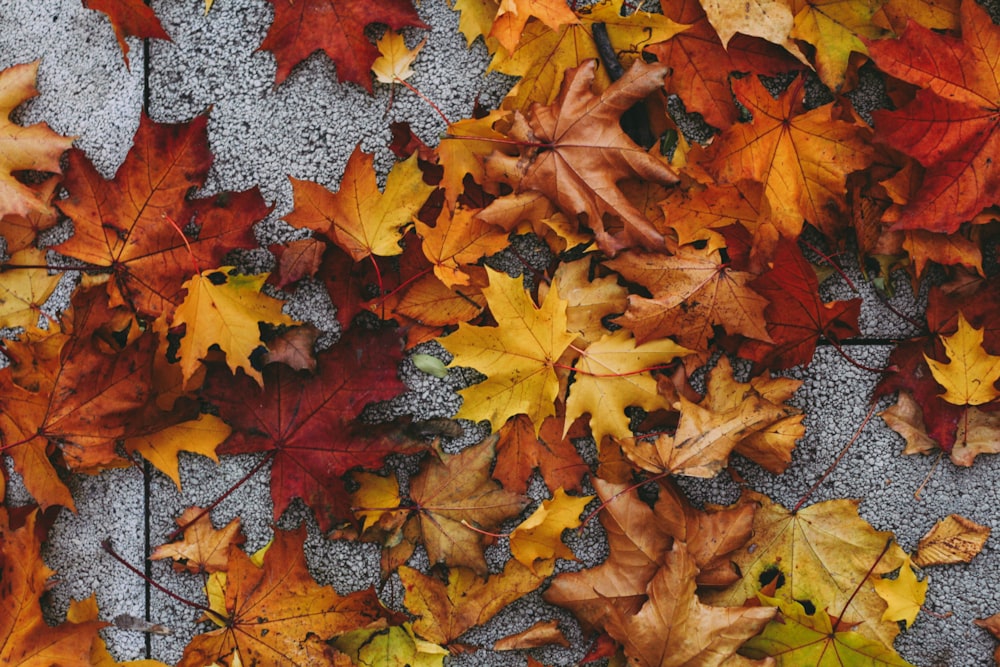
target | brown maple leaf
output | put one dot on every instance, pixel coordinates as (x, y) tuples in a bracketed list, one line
[(674, 628), (692, 291), (337, 27), (141, 228), (575, 152), (129, 18), (458, 503), (268, 613), (520, 450), (203, 548)]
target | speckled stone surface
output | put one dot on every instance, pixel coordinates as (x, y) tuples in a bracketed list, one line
[(307, 127)]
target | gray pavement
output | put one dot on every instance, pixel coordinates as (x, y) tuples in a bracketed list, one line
[(307, 127)]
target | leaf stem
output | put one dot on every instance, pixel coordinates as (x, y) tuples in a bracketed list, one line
[(836, 462), (429, 101), (110, 550)]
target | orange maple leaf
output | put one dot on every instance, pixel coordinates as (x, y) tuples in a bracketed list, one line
[(802, 157), (268, 613)]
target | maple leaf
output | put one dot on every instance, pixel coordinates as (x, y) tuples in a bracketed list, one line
[(969, 376), (23, 291), (452, 493), (543, 56), (223, 308), (952, 126), (393, 63), (520, 450), (802, 157), (638, 536), (446, 610), (306, 423), (700, 64), (904, 595), (203, 549), (588, 301), (84, 611), (358, 217), (35, 148), (674, 628), (613, 374), (513, 15), (692, 291), (796, 316), (395, 646), (953, 539), (771, 20), (337, 27), (822, 552), (162, 447), (575, 152), (539, 537), (129, 18), (517, 356), (26, 640), (457, 239), (21, 231), (836, 29), (296, 260), (266, 622), (131, 226), (798, 638)]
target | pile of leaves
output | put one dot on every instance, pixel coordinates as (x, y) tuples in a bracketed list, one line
[(665, 253)]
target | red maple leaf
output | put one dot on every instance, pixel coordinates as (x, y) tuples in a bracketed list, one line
[(306, 423), (337, 27), (796, 316), (129, 18), (131, 226), (952, 126)]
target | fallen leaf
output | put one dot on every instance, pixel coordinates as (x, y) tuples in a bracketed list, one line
[(358, 217), (395, 646), (129, 18), (674, 628), (539, 537), (338, 29), (969, 375), (458, 504), (513, 15), (542, 633), (520, 450), (771, 20), (953, 539), (587, 153), (24, 290), (263, 620), (203, 548), (517, 356), (162, 448), (797, 638), (36, 147), (393, 63), (835, 28), (904, 595), (224, 308)]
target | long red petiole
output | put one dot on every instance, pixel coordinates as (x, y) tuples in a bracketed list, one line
[(836, 462), (607, 502), (854, 362), (836, 267), (215, 503), (429, 101), (187, 244), (857, 589), (106, 545), (483, 532)]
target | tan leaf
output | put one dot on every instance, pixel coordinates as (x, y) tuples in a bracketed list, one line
[(953, 539)]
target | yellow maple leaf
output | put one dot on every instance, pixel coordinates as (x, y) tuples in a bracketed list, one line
[(23, 291), (513, 15), (969, 376), (201, 436), (394, 63), (223, 308), (517, 356), (539, 537), (905, 594), (359, 218), (613, 374), (835, 28)]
